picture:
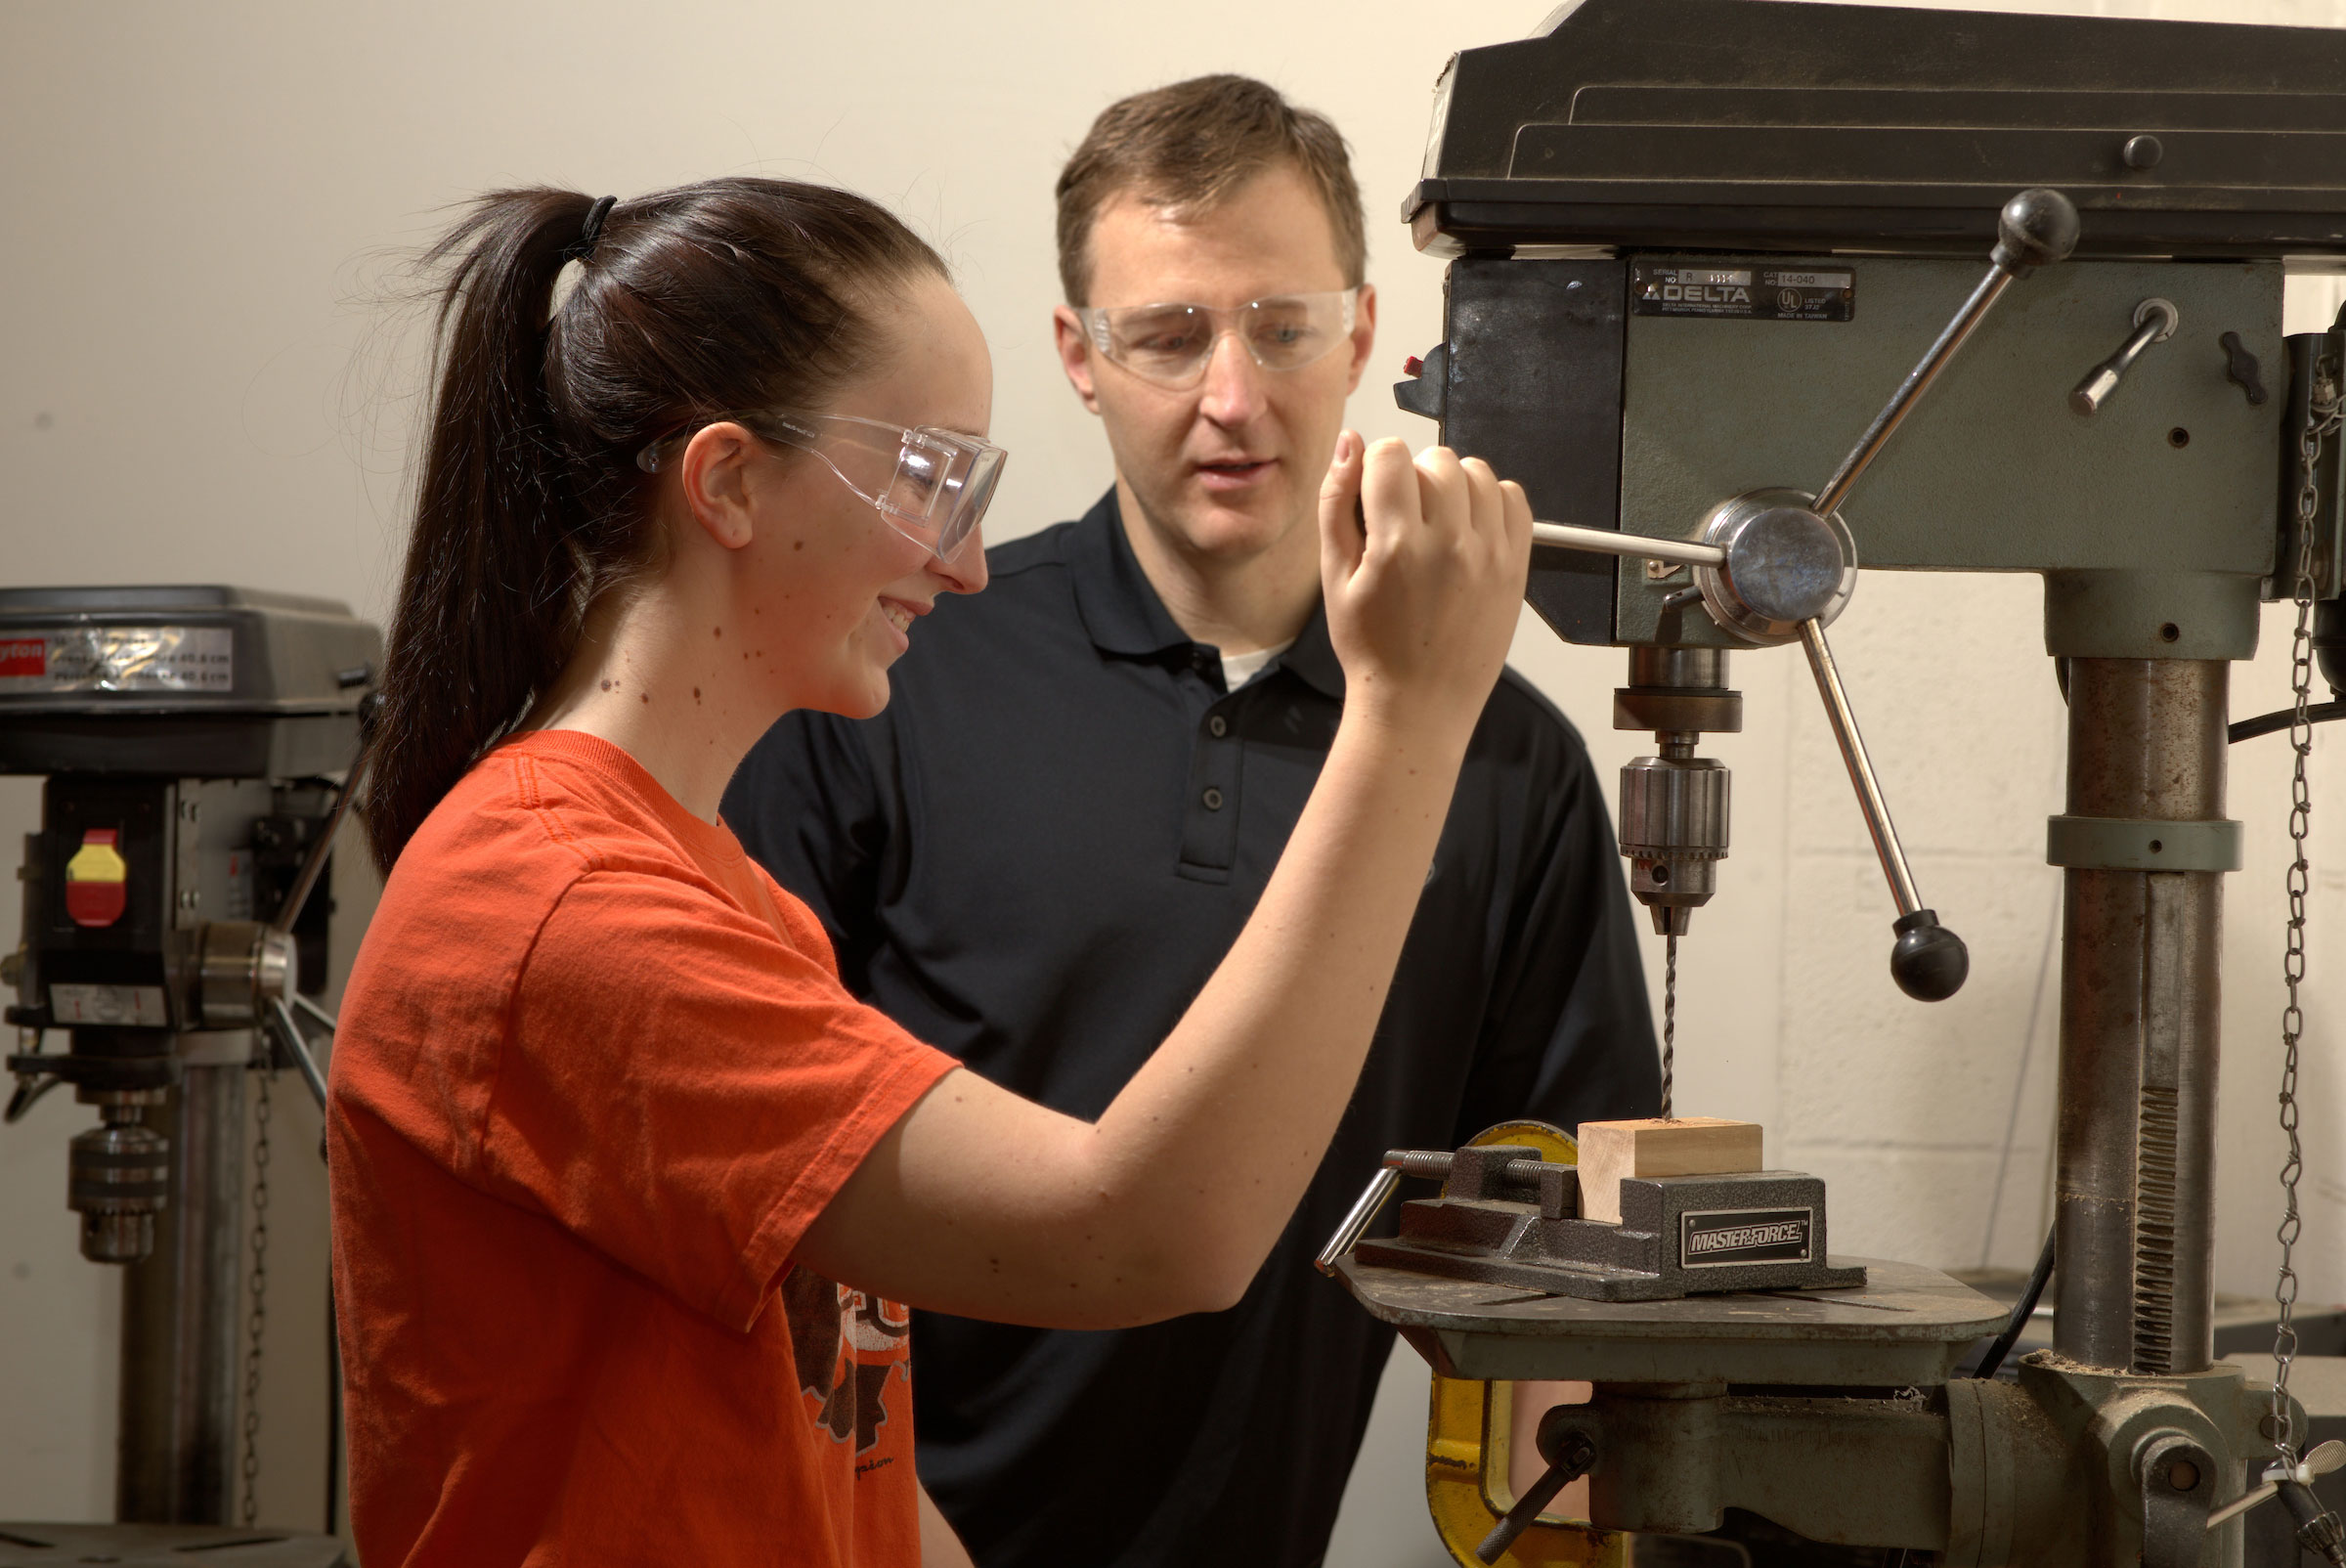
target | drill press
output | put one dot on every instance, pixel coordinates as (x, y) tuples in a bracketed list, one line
[(1716, 298), (176, 909)]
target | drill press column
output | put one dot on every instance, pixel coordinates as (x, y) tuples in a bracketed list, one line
[(2139, 1017), (175, 1450)]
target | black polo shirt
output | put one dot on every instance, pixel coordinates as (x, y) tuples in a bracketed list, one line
[(1033, 859)]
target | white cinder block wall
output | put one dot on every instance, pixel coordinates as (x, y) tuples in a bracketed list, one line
[(202, 384)]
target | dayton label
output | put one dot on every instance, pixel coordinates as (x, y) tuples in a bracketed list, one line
[(1722, 1236)]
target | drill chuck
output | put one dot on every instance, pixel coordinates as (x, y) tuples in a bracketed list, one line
[(117, 1178), (1674, 832)]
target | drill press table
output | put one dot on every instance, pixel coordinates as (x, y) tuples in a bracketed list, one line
[(1907, 1327)]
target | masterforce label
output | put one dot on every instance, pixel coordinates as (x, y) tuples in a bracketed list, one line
[(1750, 293), (1719, 1238)]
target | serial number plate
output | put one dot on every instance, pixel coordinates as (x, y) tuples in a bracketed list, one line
[(136, 1006), (1721, 1238), (1750, 293)]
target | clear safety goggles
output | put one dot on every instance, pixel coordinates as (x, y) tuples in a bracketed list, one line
[(1172, 344), (931, 485)]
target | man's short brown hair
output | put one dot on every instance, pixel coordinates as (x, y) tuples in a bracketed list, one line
[(1189, 147)]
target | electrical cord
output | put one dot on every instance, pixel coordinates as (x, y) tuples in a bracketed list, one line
[(2272, 723), (2021, 1310), (2280, 719)]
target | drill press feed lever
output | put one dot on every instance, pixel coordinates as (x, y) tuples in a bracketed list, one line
[(1776, 566)]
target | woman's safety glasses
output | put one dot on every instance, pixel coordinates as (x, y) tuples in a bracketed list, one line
[(931, 485), (1172, 344)]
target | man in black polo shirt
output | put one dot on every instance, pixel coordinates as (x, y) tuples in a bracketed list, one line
[(1041, 849)]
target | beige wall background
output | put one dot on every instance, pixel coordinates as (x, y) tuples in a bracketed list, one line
[(202, 206)]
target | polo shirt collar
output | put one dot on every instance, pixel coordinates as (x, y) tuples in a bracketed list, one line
[(1313, 657), (1120, 607), (1124, 616)]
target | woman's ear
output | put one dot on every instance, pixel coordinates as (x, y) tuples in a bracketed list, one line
[(714, 473)]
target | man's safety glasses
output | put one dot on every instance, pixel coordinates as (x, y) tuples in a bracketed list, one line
[(1172, 344), (931, 485)]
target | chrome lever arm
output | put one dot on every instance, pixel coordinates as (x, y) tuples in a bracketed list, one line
[(297, 1046), (1929, 962), (314, 866), (2036, 229), (1610, 542), (1870, 801), (280, 1014), (1364, 1210)]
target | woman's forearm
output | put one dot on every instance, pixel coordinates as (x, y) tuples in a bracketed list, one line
[(982, 1203), (1244, 1095)]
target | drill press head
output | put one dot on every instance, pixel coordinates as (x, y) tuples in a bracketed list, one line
[(181, 730)]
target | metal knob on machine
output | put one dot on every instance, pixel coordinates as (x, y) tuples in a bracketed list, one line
[(1784, 565), (244, 967), (2036, 229), (2154, 321)]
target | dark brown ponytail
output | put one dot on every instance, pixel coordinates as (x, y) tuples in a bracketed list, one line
[(691, 303)]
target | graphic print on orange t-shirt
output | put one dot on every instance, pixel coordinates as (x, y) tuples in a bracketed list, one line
[(849, 1347)]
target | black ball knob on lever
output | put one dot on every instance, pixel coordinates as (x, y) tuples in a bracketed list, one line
[(2036, 229), (1929, 962)]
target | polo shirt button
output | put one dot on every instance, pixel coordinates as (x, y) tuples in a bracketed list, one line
[(1218, 726), (1213, 800)]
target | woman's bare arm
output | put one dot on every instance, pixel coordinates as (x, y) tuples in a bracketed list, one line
[(985, 1204), (940, 1548)]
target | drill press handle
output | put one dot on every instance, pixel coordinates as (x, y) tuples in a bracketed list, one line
[(1929, 962), (1775, 566), (2036, 229)]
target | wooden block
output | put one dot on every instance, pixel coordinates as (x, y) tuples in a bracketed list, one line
[(1688, 1146)]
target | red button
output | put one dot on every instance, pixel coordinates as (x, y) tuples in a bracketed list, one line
[(98, 879)]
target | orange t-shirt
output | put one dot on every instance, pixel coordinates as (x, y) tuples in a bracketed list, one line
[(595, 1076)]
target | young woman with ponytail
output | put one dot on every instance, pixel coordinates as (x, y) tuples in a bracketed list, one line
[(625, 1187)]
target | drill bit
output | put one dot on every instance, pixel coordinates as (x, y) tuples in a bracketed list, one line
[(1669, 1016)]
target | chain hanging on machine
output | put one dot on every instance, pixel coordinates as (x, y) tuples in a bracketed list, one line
[(257, 1315), (2324, 419), (1670, 1017)]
